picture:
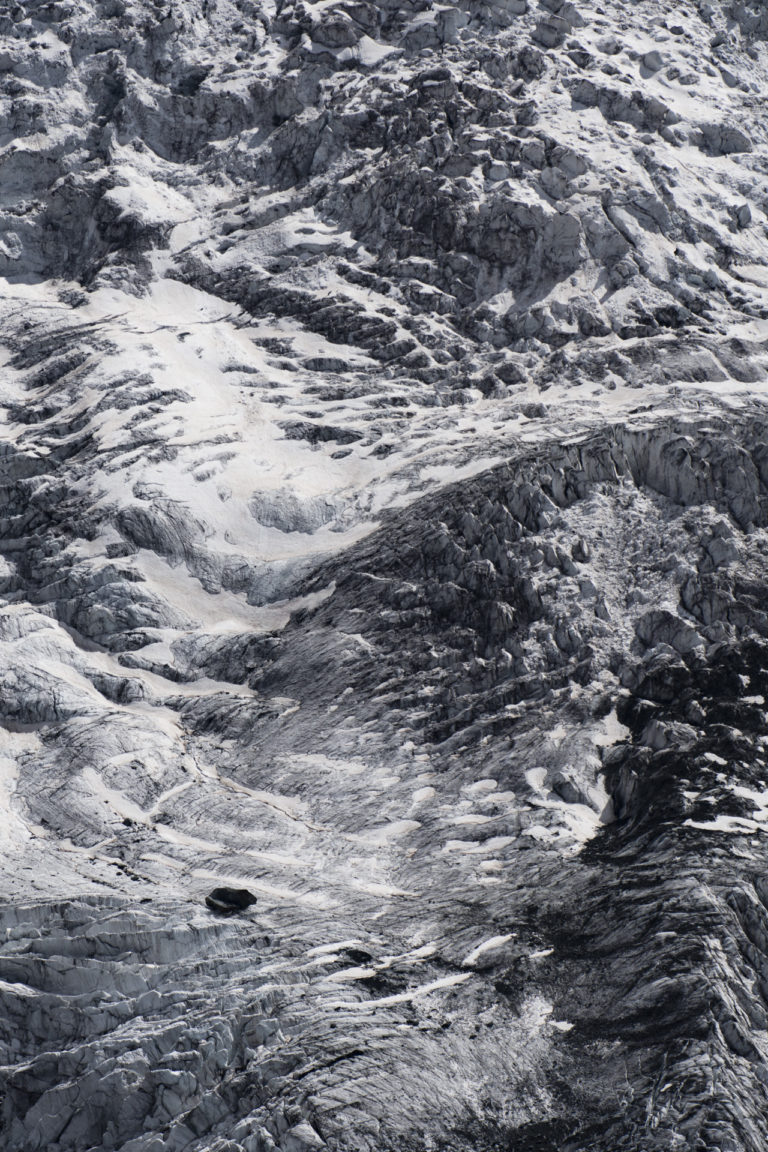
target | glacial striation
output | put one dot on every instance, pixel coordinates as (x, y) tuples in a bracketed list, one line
[(383, 576)]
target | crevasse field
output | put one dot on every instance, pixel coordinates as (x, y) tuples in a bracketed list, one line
[(384, 531)]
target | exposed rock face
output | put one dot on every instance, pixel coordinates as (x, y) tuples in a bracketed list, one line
[(383, 547)]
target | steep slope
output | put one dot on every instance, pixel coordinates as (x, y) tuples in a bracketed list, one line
[(384, 530)]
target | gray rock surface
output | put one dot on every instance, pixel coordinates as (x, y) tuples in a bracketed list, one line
[(384, 462)]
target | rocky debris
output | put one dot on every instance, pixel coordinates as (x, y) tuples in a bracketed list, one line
[(724, 139)]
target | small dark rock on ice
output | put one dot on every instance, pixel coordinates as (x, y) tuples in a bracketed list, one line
[(229, 900)]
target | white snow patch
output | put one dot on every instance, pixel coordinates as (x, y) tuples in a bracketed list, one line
[(486, 946), (611, 731), (404, 997), (733, 824), (388, 832), (480, 787), (323, 949)]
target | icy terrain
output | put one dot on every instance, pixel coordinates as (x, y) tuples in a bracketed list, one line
[(384, 531)]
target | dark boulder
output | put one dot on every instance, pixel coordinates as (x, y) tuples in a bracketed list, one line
[(229, 900)]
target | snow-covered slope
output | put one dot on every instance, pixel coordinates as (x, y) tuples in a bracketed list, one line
[(384, 462)]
